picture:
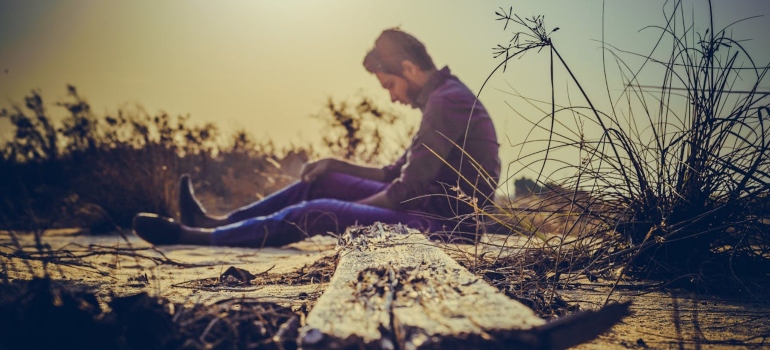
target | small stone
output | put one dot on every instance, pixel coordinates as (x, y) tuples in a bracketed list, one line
[(312, 337), (386, 344)]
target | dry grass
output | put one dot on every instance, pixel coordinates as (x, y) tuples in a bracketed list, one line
[(45, 314), (675, 187)]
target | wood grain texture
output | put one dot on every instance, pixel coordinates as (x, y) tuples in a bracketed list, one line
[(394, 289)]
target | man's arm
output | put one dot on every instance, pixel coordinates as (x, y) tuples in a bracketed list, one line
[(314, 169)]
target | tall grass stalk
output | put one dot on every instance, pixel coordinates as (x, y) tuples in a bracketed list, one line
[(676, 184)]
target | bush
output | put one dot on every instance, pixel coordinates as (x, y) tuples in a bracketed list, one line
[(99, 172), (92, 169)]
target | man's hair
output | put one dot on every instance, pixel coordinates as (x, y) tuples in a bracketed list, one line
[(393, 47)]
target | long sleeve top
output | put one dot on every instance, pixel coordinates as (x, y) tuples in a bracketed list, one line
[(456, 137)]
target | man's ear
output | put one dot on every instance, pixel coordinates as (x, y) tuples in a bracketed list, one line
[(409, 70)]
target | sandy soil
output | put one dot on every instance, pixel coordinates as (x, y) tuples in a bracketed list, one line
[(661, 320), (111, 274), (680, 320)]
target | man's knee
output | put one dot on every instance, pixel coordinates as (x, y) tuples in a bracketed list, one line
[(329, 184)]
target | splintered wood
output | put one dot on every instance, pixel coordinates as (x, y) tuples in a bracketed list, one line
[(394, 289)]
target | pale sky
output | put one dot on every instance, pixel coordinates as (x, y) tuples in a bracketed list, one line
[(266, 66)]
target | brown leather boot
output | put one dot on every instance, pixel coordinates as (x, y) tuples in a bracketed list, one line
[(156, 229)]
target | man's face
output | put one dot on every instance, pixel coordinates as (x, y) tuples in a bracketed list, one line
[(401, 90)]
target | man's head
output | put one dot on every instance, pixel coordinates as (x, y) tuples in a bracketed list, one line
[(401, 63)]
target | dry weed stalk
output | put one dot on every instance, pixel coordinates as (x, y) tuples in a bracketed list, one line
[(676, 187)]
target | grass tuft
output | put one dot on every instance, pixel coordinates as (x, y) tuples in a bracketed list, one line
[(673, 187)]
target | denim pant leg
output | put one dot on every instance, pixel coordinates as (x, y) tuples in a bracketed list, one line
[(330, 185), (319, 216)]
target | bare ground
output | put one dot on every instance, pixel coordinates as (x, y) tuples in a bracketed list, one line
[(184, 275), (112, 266)]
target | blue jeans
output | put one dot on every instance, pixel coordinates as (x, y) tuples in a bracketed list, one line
[(305, 209)]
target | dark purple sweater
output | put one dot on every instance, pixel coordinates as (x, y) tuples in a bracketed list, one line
[(425, 178)]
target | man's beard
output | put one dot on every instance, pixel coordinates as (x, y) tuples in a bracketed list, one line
[(413, 92)]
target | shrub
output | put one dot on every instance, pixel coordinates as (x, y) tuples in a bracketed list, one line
[(358, 132), (99, 172)]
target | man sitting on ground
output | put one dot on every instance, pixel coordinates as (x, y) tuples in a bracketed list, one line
[(452, 157)]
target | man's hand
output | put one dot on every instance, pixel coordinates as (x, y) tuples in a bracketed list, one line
[(313, 170)]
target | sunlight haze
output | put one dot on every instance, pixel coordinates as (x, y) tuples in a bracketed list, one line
[(267, 66)]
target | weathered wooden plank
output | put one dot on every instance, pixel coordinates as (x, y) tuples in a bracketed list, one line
[(394, 289)]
